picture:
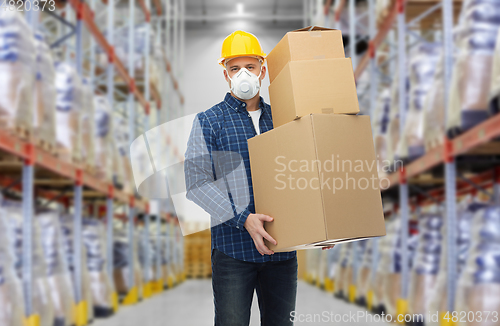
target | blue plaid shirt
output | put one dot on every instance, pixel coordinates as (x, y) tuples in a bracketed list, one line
[(226, 127)]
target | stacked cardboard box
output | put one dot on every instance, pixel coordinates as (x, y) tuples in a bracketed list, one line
[(316, 172)]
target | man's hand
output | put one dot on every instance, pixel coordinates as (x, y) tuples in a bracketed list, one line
[(255, 226), (326, 248)]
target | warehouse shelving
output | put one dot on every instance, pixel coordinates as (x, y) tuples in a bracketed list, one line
[(414, 183), (26, 156)]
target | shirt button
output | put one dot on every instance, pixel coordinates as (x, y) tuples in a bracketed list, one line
[(244, 104)]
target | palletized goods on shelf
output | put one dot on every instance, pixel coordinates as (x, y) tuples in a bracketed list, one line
[(465, 212), (364, 281), (382, 9), (40, 297), (165, 259), (312, 262), (380, 125), (122, 159), (121, 263), (44, 110), (121, 50), (100, 282), (343, 273), (391, 260), (434, 111), (197, 255), (103, 138), (422, 68), (88, 127), (359, 275), (393, 135), (322, 268), (67, 227), (469, 100), (479, 283), (494, 98), (146, 255), (428, 255), (58, 274), (332, 258), (69, 105), (390, 265), (17, 68), (138, 270), (11, 293), (121, 46)]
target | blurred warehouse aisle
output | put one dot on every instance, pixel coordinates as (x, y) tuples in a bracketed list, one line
[(176, 307)]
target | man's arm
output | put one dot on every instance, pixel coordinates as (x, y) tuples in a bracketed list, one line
[(201, 186)]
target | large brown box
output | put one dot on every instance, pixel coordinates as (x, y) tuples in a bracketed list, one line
[(313, 86), (313, 209), (309, 43)]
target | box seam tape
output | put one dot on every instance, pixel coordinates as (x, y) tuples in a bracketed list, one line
[(321, 193)]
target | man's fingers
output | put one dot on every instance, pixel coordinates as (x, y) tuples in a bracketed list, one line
[(262, 248), (265, 218), (268, 237)]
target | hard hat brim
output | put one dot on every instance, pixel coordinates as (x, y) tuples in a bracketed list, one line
[(222, 61)]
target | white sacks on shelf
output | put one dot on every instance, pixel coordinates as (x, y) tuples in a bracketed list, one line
[(479, 284), (44, 109), (103, 142), (41, 301), (100, 282), (469, 97), (391, 265), (343, 273), (123, 168), (122, 264), (393, 134), (11, 293), (391, 260), (434, 110), (17, 68), (364, 281), (58, 274), (465, 212), (494, 98), (380, 125), (384, 267), (426, 266), (121, 47), (67, 227), (69, 105), (422, 67), (146, 255)]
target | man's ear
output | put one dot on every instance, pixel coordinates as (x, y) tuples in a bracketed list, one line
[(225, 75), (263, 74)]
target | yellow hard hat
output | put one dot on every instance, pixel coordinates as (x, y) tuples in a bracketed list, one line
[(241, 44)]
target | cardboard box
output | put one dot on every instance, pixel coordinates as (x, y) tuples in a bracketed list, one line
[(309, 43), (313, 86), (297, 171)]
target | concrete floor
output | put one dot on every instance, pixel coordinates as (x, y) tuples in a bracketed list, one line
[(190, 304)]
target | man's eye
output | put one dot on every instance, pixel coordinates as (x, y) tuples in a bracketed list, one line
[(234, 69)]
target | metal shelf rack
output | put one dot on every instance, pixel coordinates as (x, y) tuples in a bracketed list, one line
[(402, 16), (56, 172)]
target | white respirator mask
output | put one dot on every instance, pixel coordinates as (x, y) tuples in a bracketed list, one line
[(245, 84)]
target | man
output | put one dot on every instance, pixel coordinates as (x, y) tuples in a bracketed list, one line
[(241, 262)]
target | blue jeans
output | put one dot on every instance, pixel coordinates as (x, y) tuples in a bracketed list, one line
[(234, 282)]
